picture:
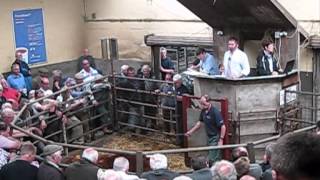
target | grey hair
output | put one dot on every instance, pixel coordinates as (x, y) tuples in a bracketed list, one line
[(121, 164), (182, 178), (219, 174), (269, 150), (146, 66), (90, 154), (158, 161)]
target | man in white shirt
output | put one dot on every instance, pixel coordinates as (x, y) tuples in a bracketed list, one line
[(87, 71), (235, 61)]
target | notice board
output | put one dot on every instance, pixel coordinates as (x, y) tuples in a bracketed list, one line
[(29, 35)]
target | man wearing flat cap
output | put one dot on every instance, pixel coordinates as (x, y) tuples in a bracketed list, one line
[(49, 169)]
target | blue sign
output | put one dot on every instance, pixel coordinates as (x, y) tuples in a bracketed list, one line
[(29, 35)]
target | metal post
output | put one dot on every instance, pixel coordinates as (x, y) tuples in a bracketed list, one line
[(252, 155), (139, 163), (65, 138), (283, 123), (114, 91), (186, 102)]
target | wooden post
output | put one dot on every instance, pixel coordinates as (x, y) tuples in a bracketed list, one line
[(252, 155), (139, 163)]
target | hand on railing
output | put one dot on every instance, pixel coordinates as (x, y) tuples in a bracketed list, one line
[(35, 130), (64, 119), (43, 125), (95, 102), (188, 134)]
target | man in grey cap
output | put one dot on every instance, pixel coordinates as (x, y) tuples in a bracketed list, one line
[(49, 169)]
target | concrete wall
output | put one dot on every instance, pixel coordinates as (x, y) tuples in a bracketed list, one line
[(64, 29), (163, 16), (66, 33)]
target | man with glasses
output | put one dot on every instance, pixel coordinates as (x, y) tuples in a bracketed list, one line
[(235, 61), (212, 119)]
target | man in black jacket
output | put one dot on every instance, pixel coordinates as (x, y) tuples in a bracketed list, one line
[(267, 64), (21, 168), (200, 165), (159, 166), (86, 168), (49, 169)]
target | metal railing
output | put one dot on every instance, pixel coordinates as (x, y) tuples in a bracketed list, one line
[(141, 100), (300, 109), (186, 102)]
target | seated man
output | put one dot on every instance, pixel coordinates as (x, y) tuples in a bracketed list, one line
[(86, 168), (24, 69), (88, 57), (49, 168), (254, 168), (159, 166), (45, 87), (267, 64), (121, 166), (42, 73), (224, 170), (22, 167), (200, 165), (208, 64), (87, 71), (296, 156), (16, 80), (10, 94)]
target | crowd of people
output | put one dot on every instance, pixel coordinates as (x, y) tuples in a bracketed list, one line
[(290, 158), (49, 107)]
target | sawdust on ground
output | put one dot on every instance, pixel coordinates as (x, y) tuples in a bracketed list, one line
[(134, 143)]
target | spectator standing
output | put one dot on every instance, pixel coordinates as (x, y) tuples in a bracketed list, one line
[(166, 66)]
